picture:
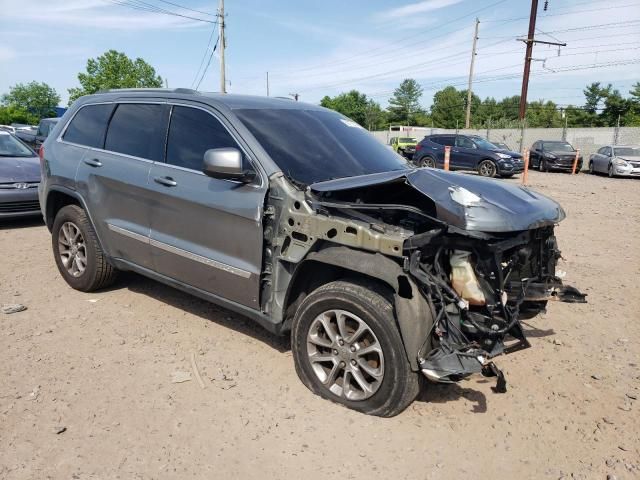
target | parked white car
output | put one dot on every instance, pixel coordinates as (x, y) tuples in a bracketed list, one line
[(616, 161)]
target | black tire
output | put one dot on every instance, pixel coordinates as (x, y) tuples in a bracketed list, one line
[(98, 273), (542, 166), (507, 175), (610, 171), (487, 168), (399, 385), (591, 170), (428, 162)]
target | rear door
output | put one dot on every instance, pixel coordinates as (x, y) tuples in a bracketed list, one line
[(114, 178), (465, 153), (206, 232)]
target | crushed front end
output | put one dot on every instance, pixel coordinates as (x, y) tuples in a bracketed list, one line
[(483, 255), (480, 286)]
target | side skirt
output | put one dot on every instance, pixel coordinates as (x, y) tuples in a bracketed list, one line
[(264, 320)]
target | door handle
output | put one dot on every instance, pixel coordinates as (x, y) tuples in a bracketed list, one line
[(94, 162), (166, 181)]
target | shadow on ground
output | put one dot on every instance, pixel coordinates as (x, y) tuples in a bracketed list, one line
[(202, 308), (21, 222)]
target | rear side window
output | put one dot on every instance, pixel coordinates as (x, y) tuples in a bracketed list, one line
[(446, 140), (191, 133), (89, 125), (138, 130), (464, 142)]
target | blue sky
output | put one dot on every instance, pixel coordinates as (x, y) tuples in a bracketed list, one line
[(326, 47)]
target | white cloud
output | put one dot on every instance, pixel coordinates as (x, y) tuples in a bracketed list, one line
[(6, 53), (101, 14), (415, 8)]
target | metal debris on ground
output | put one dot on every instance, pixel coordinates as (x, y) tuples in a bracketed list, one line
[(13, 308), (180, 377)]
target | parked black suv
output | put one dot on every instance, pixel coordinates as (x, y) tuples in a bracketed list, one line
[(548, 155), (468, 152), (297, 217)]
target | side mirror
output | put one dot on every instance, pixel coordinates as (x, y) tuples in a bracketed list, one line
[(226, 163)]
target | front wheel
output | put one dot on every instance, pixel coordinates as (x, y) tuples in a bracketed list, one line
[(78, 254), (610, 171), (428, 162), (487, 168), (347, 349)]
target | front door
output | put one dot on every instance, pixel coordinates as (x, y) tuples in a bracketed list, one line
[(205, 232), (465, 154)]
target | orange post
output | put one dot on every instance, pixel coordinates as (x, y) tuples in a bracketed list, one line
[(447, 156), (525, 174), (575, 162)]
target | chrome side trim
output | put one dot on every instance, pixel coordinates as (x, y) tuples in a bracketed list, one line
[(199, 258), (179, 251), (129, 233)]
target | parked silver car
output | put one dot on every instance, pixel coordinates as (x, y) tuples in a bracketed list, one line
[(616, 161), (19, 178)]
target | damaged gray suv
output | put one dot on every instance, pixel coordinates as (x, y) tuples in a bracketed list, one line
[(293, 215)]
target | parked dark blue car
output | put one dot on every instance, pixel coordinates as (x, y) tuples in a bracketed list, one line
[(468, 152)]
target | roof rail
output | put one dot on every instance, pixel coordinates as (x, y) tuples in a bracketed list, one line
[(159, 90)]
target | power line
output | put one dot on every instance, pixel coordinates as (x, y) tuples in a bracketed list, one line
[(209, 42), (208, 62), (148, 7), (187, 8), (565, 13)]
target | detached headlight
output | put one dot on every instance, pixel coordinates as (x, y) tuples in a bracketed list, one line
[(550, 155), (504, 156), (463, 196), (619, 162)]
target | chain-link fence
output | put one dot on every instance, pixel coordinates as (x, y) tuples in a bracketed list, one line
[(588, 140)]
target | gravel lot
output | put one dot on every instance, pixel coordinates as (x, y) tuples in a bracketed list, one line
[(86, 385)]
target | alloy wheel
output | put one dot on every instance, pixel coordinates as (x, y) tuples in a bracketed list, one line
[(72, 249), (487, 169), (345, 355)]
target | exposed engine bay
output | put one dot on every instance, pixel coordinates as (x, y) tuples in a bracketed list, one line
[(479, 257)]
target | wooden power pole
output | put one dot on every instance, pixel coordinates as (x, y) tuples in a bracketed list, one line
[(223, 81), (267, 84), (527, 58), (467, 122)]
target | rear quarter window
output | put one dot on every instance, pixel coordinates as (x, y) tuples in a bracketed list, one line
[(88, 126)]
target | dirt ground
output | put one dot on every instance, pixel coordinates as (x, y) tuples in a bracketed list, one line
[(86, 379)]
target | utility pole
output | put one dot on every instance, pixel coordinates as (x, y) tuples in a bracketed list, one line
[(467, 122), (223, 81), (267, 84), (527, 57)]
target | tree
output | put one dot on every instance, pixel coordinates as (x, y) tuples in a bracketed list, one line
[(357, 107), (11, 114), (114, 69), (405, 101), (448, 109), (615, 107), (35, 99), (593, 95)]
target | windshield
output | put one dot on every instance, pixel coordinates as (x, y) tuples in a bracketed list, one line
[(408, 140), (12, 147), (314, 145), (483, 144), (558, 147), (627, 152)]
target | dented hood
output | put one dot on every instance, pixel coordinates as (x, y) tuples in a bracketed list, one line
[(489, 205)]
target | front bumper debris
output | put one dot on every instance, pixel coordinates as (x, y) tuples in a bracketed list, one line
[(478, 290)]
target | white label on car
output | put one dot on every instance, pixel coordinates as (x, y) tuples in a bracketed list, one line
[(350, 123)]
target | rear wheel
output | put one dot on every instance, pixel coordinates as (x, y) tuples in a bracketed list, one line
[(77, 252), (487, 168), (591, 169), (347, 349)]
